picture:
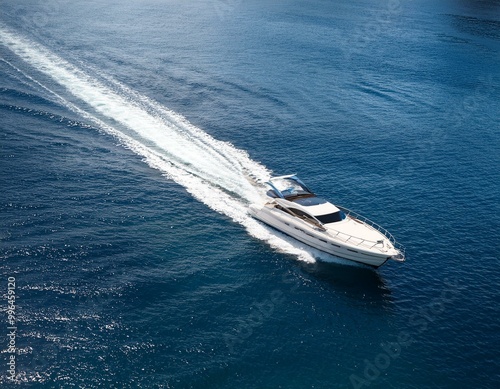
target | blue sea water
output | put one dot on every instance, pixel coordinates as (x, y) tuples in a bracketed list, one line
[(132, 138)]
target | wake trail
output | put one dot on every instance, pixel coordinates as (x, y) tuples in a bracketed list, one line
[(214, 172)]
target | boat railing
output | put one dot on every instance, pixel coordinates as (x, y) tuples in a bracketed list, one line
[(352, 239), (371, 224)]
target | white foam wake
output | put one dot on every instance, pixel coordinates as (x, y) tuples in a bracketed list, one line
[(214, 172)]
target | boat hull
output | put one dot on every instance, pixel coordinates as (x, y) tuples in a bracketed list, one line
[(318, 238)]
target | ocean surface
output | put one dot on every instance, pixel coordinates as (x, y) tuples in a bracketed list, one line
[(134, 135)]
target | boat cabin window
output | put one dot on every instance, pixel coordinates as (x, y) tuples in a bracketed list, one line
[(331, 217)]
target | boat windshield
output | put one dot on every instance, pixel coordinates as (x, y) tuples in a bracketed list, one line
[(331, 217), (290, 188)]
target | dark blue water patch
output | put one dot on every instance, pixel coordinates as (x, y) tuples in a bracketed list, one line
[(483, 28), (17, 95)]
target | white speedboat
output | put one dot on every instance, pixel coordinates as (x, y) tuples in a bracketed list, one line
[(294, 209)]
